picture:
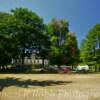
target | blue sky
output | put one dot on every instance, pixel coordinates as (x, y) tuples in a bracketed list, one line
[(81, 14)]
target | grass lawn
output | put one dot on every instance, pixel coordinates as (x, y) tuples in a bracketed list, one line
[(49, 86)]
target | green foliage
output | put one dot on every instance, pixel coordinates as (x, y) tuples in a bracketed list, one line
[(71, 49), (22, 31), (29, 30), (90, 47), (64, 49), (6, 42)]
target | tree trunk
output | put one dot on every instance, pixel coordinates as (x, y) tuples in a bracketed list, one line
[(23, 54), (95, 68), (43, 62), (99, 68), (22, 60), (72, 67), (3, 67)]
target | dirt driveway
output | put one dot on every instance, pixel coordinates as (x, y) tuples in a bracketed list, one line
[(49, 86)]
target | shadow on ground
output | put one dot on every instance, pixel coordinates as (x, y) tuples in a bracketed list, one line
[(10, 81)]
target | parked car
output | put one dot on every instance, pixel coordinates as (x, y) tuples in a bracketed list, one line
[(52, 68), (64, 69), (82, 68)]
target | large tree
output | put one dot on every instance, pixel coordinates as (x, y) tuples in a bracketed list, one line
[(90, 47), (57, 30), (64, 49), (22, 32), (6, 41), (71, 50), (28, 31)]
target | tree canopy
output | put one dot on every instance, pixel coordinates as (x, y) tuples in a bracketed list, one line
[(64, 48), (90, 47), (23, 32)]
